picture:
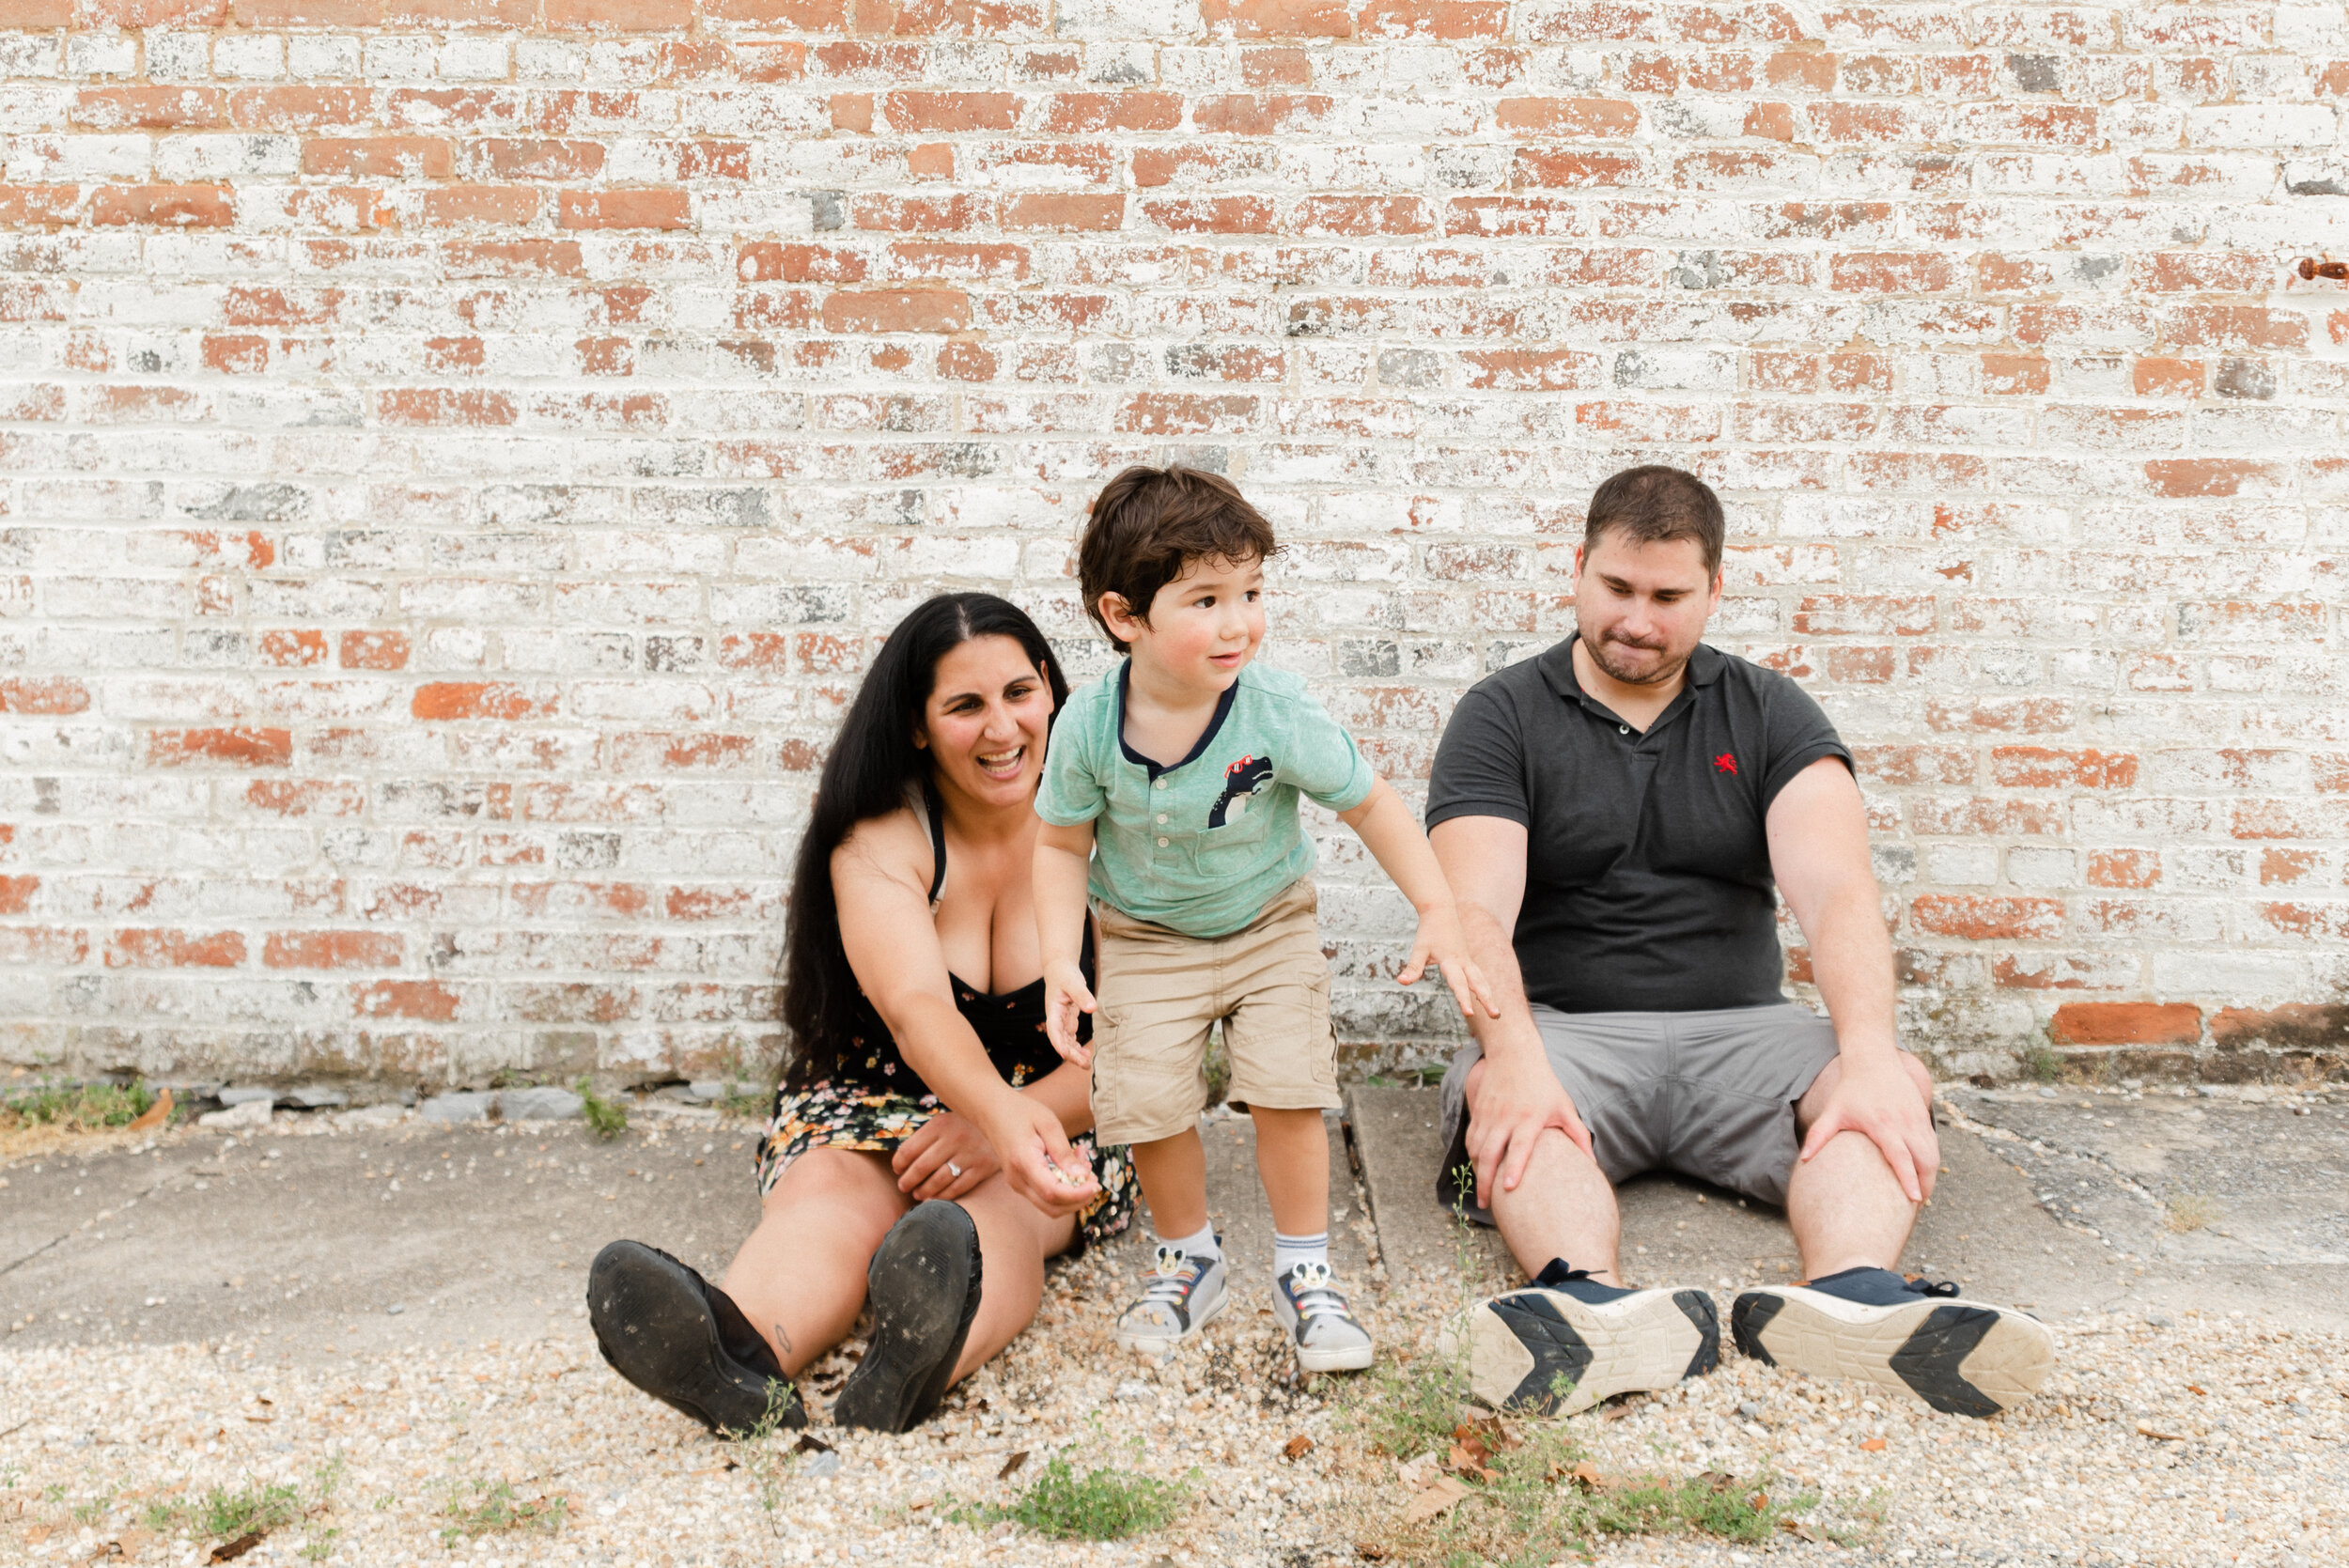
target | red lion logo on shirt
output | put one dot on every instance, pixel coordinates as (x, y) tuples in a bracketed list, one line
[(1725, 762)]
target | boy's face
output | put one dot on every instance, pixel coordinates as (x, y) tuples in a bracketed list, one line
[(1204, 627)]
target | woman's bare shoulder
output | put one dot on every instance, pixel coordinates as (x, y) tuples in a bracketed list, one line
[(893, 847)]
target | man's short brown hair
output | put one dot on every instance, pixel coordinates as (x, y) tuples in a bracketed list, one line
[(1148, 524), (1654, 504)]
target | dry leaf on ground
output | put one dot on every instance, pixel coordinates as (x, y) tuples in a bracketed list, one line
[(1438, 1498), (1298, 1447), (228, 1551), (1011, 1466)]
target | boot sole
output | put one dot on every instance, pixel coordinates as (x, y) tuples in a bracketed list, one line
[(922, 1287), (656, 1329), (1962, 1358), (1523, 1347)]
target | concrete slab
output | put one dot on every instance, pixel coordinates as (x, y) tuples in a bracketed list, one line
[(309, 1232), (474, 1233), (2231, 1199)]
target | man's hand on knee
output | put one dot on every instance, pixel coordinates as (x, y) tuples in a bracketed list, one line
[(1879, 1096), (1510, 1105)]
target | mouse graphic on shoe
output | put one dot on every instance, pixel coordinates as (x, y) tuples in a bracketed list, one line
[(1242, 781)]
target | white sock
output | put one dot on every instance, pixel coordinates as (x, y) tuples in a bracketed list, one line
[(1290, 1251), (1203, 1245)]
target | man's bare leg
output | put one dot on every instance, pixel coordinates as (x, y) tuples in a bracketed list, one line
[(1845, 1207), (1848, 1212), (1564, 1208)]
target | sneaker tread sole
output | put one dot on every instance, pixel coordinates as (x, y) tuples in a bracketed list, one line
[(655, 1329), (1962, 1358), (922, 1285), (1520, 1345)]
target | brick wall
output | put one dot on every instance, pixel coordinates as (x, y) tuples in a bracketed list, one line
[(456, 454)]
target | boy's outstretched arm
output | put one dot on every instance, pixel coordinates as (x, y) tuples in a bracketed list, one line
[(1391, 833), (1060, 856)]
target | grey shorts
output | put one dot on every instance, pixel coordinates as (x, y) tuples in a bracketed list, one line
[(1707, 1095)]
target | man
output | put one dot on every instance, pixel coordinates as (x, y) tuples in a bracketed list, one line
[(1614, 816)]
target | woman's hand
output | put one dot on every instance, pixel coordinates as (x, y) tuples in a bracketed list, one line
[(944, 1157), (1037, 1159), (1067, 995)]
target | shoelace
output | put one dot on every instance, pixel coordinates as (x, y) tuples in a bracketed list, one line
[(1173, 1274), (1311, 1291)]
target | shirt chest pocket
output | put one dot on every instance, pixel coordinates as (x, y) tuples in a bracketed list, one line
[(1238, 842)]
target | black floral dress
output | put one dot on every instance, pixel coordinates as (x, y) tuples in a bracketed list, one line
[(872, 1099)]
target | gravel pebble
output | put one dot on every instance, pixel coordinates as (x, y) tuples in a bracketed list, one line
[(2209, 1440)]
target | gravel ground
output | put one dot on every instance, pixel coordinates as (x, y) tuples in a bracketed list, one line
[(2191, 1440)]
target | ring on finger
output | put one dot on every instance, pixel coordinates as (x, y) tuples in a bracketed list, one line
[(953, 1170)]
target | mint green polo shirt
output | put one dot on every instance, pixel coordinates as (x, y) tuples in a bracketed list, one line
[(1201, 847)]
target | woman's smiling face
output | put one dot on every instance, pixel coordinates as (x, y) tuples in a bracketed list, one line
[(985, 720)]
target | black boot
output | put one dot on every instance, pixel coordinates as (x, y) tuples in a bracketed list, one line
[(923, 1287), (683, 1341)]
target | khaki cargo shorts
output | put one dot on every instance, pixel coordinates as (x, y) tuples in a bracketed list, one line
[(1159, 991)]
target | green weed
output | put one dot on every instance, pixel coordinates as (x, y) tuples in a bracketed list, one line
[(92, 1509), (1711, 1504), (477, 1508), (1102, 1504), (227, 1514), (320, 1545), (77, 1108), (2044, 1065), (605, 1119), (756, 1453)]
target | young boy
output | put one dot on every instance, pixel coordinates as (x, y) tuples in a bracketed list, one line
[(1178, 773)]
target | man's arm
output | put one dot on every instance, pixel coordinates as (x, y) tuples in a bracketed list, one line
[(1818, 836), (1518, 1097)]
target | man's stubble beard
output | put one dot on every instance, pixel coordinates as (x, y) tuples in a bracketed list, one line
[(1664, 673)]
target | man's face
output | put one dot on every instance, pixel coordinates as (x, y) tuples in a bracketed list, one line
[(1641, 607)]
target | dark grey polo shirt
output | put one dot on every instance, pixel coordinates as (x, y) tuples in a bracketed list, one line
[(1647, 877)]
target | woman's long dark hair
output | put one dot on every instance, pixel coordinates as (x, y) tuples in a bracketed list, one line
[(872, 760)]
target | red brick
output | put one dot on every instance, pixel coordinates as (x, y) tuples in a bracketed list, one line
[(2210, 477), (1890, 272), (897, 310), (1568, 116), (424, 1001), (1979, 918), (2045, 767), (1279, 19), (290, 648), (332, 950), (2294, 1026), (2015, 375), (2156, 377), (373, 650), (640, 208), (458, 699), (2236, 327), (1213, 215), (16, 893), (1553, 168), (50, 695), (2127, 1023), (952, 111), (1450, 20), (2123, 868), (1064, 211), (159, 950), (237, 747), (436, 406), (25, 204), (1354, 217), (162, 206), (620, 16)]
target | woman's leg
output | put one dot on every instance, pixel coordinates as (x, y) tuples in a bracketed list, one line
[(800, 1277), (1015, 1238)]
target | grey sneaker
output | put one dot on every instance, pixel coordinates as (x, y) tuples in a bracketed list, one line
[(1326, 1334), (1183, 1295)]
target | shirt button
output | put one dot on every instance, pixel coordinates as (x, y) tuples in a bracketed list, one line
[(1623, 729), (1161, 819), (1158, 783), (1161, 844)]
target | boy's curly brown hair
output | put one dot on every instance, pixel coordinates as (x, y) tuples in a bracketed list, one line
[(1148, 524)]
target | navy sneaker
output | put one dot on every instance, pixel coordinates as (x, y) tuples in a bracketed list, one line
[(1311, 1310), (683, 1341), (1570, 1341), (1962, 1358)]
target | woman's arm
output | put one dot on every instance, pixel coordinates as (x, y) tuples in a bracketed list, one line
[(880, 880)]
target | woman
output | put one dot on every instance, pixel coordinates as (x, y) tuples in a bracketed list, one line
[(928, 1149)]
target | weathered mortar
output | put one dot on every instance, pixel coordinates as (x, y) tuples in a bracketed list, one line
[(458, 453)]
